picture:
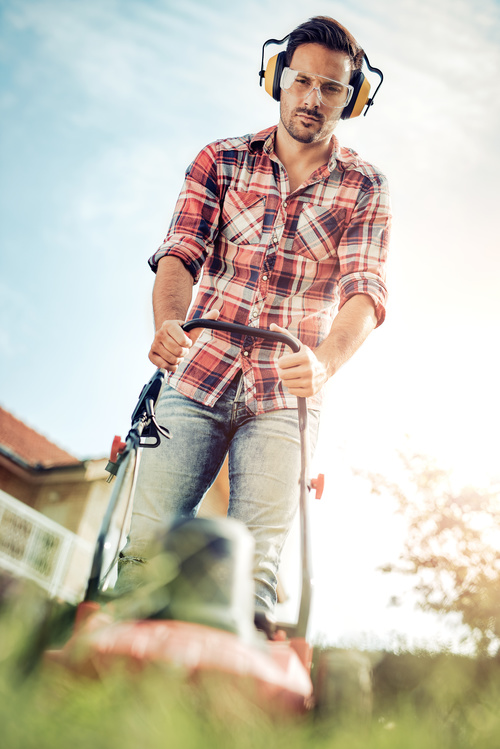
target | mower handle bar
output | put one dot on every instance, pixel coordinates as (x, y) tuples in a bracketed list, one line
[(244, 330), (151, 390), (145, 409)]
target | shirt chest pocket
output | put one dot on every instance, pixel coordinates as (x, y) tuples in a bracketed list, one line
[(242, 217), (319, 231)]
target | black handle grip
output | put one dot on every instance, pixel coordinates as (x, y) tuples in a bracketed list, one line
[(243, 330)]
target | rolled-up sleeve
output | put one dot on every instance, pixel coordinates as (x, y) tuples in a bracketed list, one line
[(195, 221), (363, 249)]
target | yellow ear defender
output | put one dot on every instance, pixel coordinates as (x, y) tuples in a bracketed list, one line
[(360, 99)]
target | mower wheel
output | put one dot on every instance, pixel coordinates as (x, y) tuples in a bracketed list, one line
[(342, 684)]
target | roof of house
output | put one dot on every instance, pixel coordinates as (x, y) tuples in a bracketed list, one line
[(20, 441)]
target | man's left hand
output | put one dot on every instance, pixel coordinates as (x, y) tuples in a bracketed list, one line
[(302, 373)]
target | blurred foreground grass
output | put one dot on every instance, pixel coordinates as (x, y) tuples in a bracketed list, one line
[(420, 701)]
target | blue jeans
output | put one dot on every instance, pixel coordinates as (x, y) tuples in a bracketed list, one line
[(264, 465)]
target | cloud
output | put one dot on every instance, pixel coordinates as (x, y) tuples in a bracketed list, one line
[(449, 55), (114, 99), (148, 60), (17, 315)]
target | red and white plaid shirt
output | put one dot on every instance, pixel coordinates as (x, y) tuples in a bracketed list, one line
[(271, 256)]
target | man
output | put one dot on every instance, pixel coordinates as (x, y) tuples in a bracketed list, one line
[(286, 225)]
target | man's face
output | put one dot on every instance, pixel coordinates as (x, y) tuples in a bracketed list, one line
[(307, 119)]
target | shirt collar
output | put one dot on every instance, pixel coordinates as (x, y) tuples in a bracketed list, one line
[(264, 141)]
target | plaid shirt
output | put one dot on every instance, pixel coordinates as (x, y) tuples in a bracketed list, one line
[(271, 256)]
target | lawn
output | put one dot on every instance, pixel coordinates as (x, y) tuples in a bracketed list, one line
[(420, 700)]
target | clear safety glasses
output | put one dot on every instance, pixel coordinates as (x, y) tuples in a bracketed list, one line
[(331, 93)]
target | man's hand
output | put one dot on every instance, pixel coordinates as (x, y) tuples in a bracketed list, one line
[(302, 373), (171, 344), (305, 372)]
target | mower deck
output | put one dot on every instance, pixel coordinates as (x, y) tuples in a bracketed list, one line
[(275, 674)]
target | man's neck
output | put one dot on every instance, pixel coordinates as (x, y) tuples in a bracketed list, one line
[(300, 159)]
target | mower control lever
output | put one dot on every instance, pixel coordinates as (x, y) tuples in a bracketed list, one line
[(319, 484), (148, 396)]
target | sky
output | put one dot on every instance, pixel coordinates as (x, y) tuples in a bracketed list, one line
[(104, 103)]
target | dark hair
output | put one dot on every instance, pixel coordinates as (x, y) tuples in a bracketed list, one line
[(328, 32)]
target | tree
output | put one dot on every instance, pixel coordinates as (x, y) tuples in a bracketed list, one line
[(452, 547)]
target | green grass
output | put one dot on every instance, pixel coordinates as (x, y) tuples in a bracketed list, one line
[(420, 702)]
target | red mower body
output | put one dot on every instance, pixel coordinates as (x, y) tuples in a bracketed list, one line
[(275, 674)]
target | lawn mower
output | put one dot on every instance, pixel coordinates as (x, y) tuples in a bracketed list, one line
[(194, 611)]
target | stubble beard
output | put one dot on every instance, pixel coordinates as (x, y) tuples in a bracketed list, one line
[(301, 133)]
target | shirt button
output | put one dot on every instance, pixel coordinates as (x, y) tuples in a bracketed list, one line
[(264, 278), (245, 353), (255, 314)]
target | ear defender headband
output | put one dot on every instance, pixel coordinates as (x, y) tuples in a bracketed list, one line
[(360, 99)]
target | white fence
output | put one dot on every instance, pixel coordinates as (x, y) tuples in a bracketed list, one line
[(34, 547)]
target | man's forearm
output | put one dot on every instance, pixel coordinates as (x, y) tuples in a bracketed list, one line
[(172, 291), (305, 372), (350, 328)]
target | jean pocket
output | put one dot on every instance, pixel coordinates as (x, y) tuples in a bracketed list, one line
[(242, 217)]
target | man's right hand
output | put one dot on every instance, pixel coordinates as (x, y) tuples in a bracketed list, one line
[(171, 344)]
